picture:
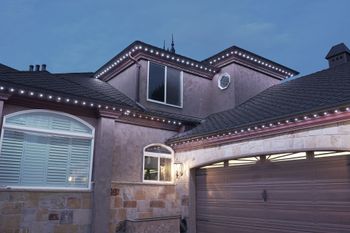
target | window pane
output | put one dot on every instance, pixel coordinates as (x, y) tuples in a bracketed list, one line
[(156, 82), (51, 121), (158, 149), (165, 169), (173, 87), (79, 165), (34, 160), (151, 168), (10, 157)]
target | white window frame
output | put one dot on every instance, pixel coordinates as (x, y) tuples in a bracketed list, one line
[(165, 87), (158, 155), (53, 133)]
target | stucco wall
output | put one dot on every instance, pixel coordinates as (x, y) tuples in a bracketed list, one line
[(126, 82), (331, 137), (245, 83), (201, 96), (128, 149)]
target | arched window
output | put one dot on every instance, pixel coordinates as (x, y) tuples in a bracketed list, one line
[(157, 163), (45, 149)]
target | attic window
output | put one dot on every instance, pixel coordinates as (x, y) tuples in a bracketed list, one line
[(224, 81), (164, 85)]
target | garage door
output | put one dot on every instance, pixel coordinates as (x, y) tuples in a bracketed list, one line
[(300, 192)]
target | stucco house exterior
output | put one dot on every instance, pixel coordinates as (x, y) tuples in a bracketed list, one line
[(154, 141)]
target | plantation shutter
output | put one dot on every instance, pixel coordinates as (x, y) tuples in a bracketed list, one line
[(41, 158), (79, 164), (58, 161), (10, 158), (33, 169)]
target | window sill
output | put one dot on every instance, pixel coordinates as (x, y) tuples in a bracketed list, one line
[(163, 103), (145, 183), (53, 190)]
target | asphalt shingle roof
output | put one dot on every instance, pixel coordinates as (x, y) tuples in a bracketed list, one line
[(6, 69), (73, 85), (315, 92)]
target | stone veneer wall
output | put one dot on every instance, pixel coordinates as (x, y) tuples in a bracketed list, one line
[(142, 202), (45, 212)]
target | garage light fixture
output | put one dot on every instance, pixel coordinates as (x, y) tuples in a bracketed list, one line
[(179, 169)]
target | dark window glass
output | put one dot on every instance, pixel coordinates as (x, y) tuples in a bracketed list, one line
[(224, 81), (151, 168), (173, 87), (156, 82)]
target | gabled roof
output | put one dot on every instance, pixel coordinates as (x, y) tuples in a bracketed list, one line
[(138, 50), (337, 49), (305, 95), (6, 69), (80, 86), (239, 55), (206, 68)]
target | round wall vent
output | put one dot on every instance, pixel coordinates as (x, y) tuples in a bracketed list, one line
[(224, 81)]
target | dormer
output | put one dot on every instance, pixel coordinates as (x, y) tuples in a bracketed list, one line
[(162, 80), (339, 54)]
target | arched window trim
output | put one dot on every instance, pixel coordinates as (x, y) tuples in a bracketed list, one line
[(51, 132), (158, 155)]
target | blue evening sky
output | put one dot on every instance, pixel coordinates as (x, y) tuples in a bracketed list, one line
[(81, 35)]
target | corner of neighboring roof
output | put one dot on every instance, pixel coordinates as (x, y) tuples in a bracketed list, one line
[(6, 69), (337, 49)]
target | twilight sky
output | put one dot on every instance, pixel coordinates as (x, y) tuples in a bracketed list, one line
[(81, 35)]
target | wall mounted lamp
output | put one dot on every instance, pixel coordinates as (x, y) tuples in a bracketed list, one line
[(179, 169)]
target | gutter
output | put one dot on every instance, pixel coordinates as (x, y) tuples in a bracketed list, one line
[(138, 72)]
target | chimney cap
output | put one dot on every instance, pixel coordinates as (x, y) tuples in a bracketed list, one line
[(337, 49), (37, 67)]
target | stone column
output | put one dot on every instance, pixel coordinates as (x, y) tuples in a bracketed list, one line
[(102, 174)]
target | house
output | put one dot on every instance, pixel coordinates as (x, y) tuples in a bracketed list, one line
[(153, 137)]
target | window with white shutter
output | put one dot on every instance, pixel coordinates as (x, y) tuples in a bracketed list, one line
[(45, 149)]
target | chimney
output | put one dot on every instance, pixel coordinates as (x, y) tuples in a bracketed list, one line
[(43, 67), (339, 54), (37, 67), (31, 68)]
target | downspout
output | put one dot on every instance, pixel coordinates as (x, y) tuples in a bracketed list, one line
[(138, 72)]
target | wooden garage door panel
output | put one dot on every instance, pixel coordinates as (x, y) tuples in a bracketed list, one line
[(302, 196)]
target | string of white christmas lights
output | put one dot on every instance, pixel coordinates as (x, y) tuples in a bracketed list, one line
[(157, 52), (61, 99), (253, 59), (265, 126)]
